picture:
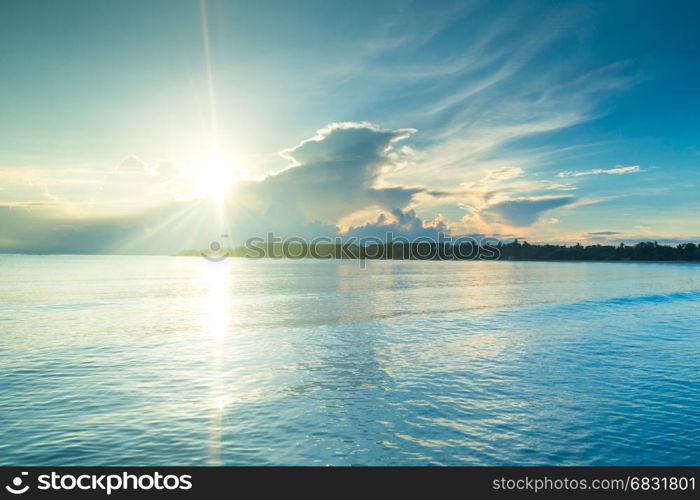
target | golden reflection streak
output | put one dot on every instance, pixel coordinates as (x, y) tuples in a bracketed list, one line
[(216, 311)]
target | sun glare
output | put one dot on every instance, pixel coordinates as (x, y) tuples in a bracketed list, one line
[(216, 178)]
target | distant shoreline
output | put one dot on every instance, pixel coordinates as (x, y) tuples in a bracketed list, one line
[(647, 252), (609, 261), (515, 251), (187, 254)]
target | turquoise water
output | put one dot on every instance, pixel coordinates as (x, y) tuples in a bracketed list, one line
[(174, 360)]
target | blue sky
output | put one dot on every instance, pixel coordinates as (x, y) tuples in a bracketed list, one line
[(551, 121)]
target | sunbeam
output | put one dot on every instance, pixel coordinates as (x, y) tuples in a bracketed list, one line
[(214, 126)]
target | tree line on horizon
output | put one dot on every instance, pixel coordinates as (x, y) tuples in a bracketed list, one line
[(490, 250), (651, 251)]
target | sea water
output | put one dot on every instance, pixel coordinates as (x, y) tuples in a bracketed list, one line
[(136, 360)]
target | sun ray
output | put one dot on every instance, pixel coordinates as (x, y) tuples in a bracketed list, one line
[(214, 125)]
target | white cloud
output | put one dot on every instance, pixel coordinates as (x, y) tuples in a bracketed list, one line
[(502, 174), (619, 170), (331, 175), (23, 189), (559, 186), (400, 224), (132, 164)]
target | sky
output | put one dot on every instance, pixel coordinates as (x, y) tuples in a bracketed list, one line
[(153, 127)]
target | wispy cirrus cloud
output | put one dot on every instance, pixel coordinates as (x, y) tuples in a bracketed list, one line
[(560, 186), (619, 170)]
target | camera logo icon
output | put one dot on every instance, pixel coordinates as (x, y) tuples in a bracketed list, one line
[(216, 247), (16, 487)]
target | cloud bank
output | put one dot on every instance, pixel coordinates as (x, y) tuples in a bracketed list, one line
[(337, 174)]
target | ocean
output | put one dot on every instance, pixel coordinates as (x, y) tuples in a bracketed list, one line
[(140, 360)]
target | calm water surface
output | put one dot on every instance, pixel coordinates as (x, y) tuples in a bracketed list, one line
[(173, 360)]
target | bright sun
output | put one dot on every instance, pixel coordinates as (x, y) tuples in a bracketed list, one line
[(216, 176)]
